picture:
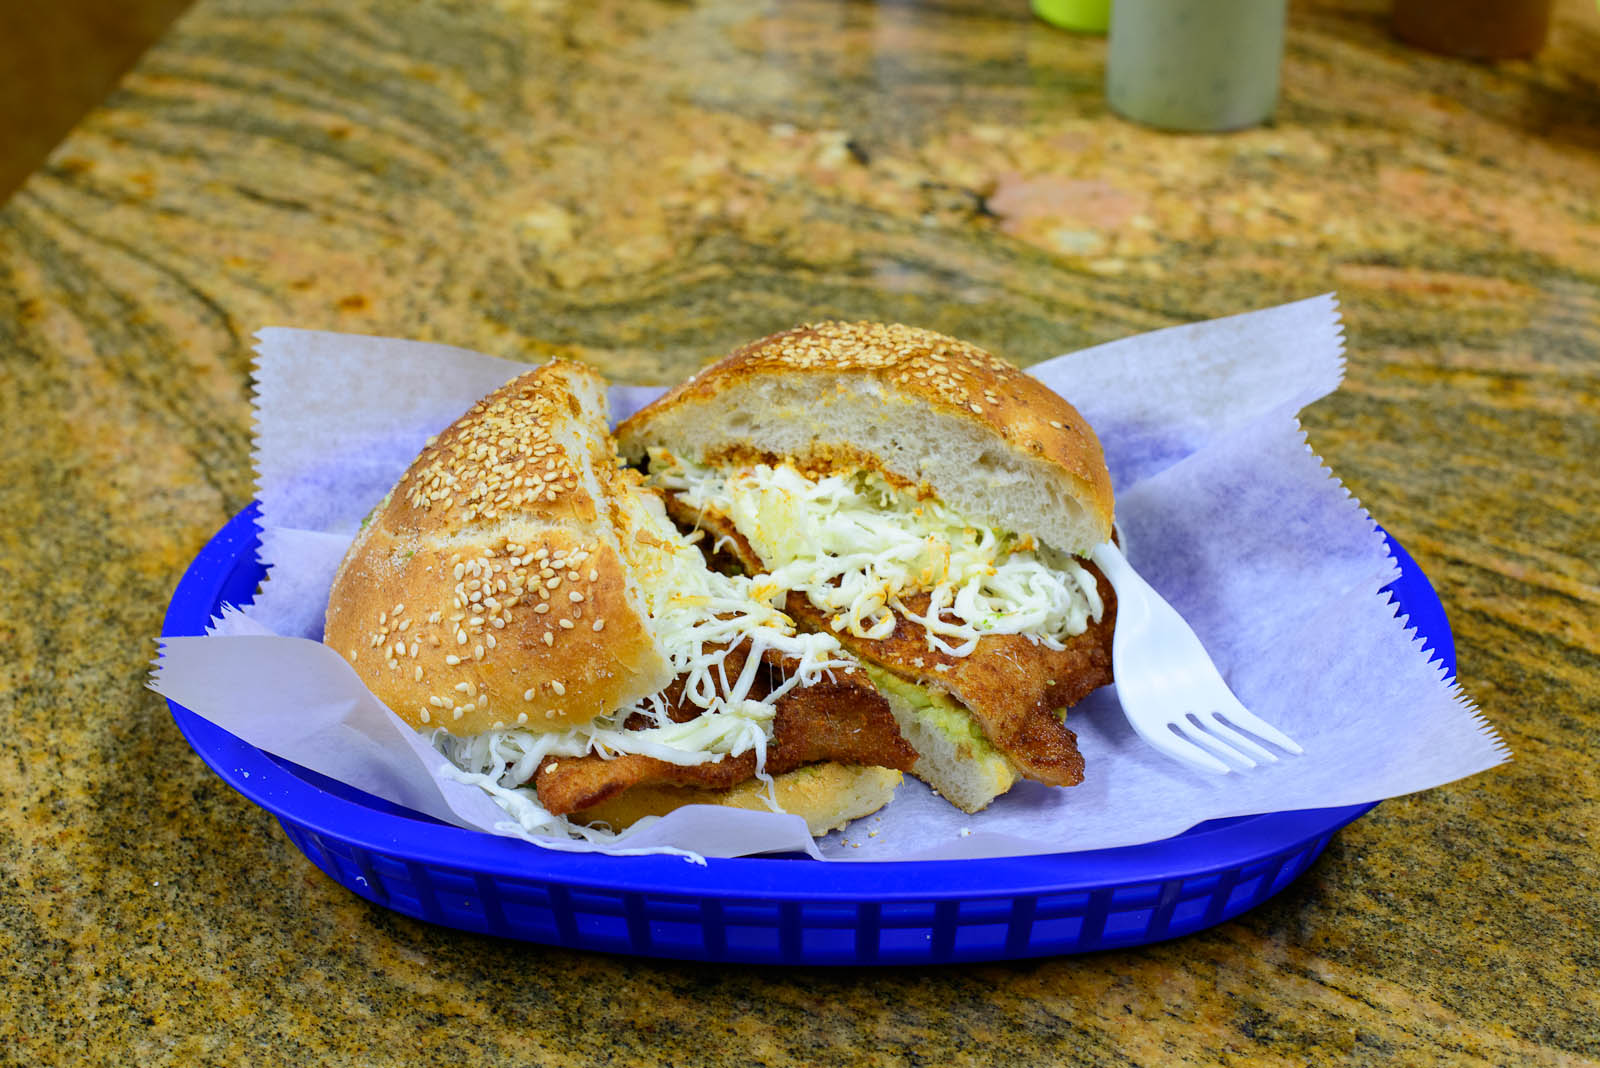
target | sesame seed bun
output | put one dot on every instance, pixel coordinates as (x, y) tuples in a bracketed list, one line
[(920, 408), (489, 589)]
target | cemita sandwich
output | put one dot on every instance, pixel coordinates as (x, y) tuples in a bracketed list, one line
[(526, 600), (929, 506)]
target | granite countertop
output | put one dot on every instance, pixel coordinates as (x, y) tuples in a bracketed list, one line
[(641, 185)]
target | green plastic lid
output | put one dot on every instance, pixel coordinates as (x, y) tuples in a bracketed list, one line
[(1085, 16)]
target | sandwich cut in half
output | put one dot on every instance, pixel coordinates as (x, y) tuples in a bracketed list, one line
[(526, 600), (926, 503)]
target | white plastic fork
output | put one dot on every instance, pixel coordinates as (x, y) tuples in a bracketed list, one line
[(1170, 690)]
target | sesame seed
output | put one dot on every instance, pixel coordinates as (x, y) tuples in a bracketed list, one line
[(527, 695), (457, 713), (522, 717), (452, 659), (566, 624), (416, 673), (425, 717), (599, 625), (575, 597), (561, 691), (477, 652), (436, 701), (549, 638)]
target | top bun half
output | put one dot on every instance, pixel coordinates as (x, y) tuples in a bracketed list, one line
[(490, 588), (916, 406)]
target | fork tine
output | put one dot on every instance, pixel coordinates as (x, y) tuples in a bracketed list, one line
[(1184, 751), (1156, 646), (1196, 734), (1217, 725), (1236, 714)]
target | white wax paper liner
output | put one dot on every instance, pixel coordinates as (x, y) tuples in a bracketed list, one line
[(1224, 509)]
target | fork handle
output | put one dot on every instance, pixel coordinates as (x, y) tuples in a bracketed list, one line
[(1133, 592)]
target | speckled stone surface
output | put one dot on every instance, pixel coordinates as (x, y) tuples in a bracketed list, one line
[(642, 184)]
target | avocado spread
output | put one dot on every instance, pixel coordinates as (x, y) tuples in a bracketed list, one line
[(937, 710)]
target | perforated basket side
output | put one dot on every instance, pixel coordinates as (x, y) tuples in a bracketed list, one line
[(761, 910), (763, 931)]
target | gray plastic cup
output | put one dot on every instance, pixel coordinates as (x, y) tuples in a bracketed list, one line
[(1195, 64)]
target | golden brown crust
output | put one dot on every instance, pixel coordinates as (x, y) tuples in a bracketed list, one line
[(910, 365), (497, 604), (843, 720), (572, 784), (1015, 688)]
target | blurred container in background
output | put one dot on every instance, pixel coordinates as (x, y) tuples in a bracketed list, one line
[(1195, 64), (1480, 29)]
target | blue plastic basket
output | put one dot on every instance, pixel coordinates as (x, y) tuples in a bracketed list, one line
[(761, 910)]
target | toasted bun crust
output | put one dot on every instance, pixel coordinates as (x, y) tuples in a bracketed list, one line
[(826, 796), (920, 407), (489, 588)]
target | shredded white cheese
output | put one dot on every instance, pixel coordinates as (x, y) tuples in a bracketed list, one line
[(697, 617), (858, 548)]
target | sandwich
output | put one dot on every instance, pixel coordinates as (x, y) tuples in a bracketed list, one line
[(929, 506), (525, 600)]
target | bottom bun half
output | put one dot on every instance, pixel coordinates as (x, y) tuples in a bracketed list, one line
[(826, 796)]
